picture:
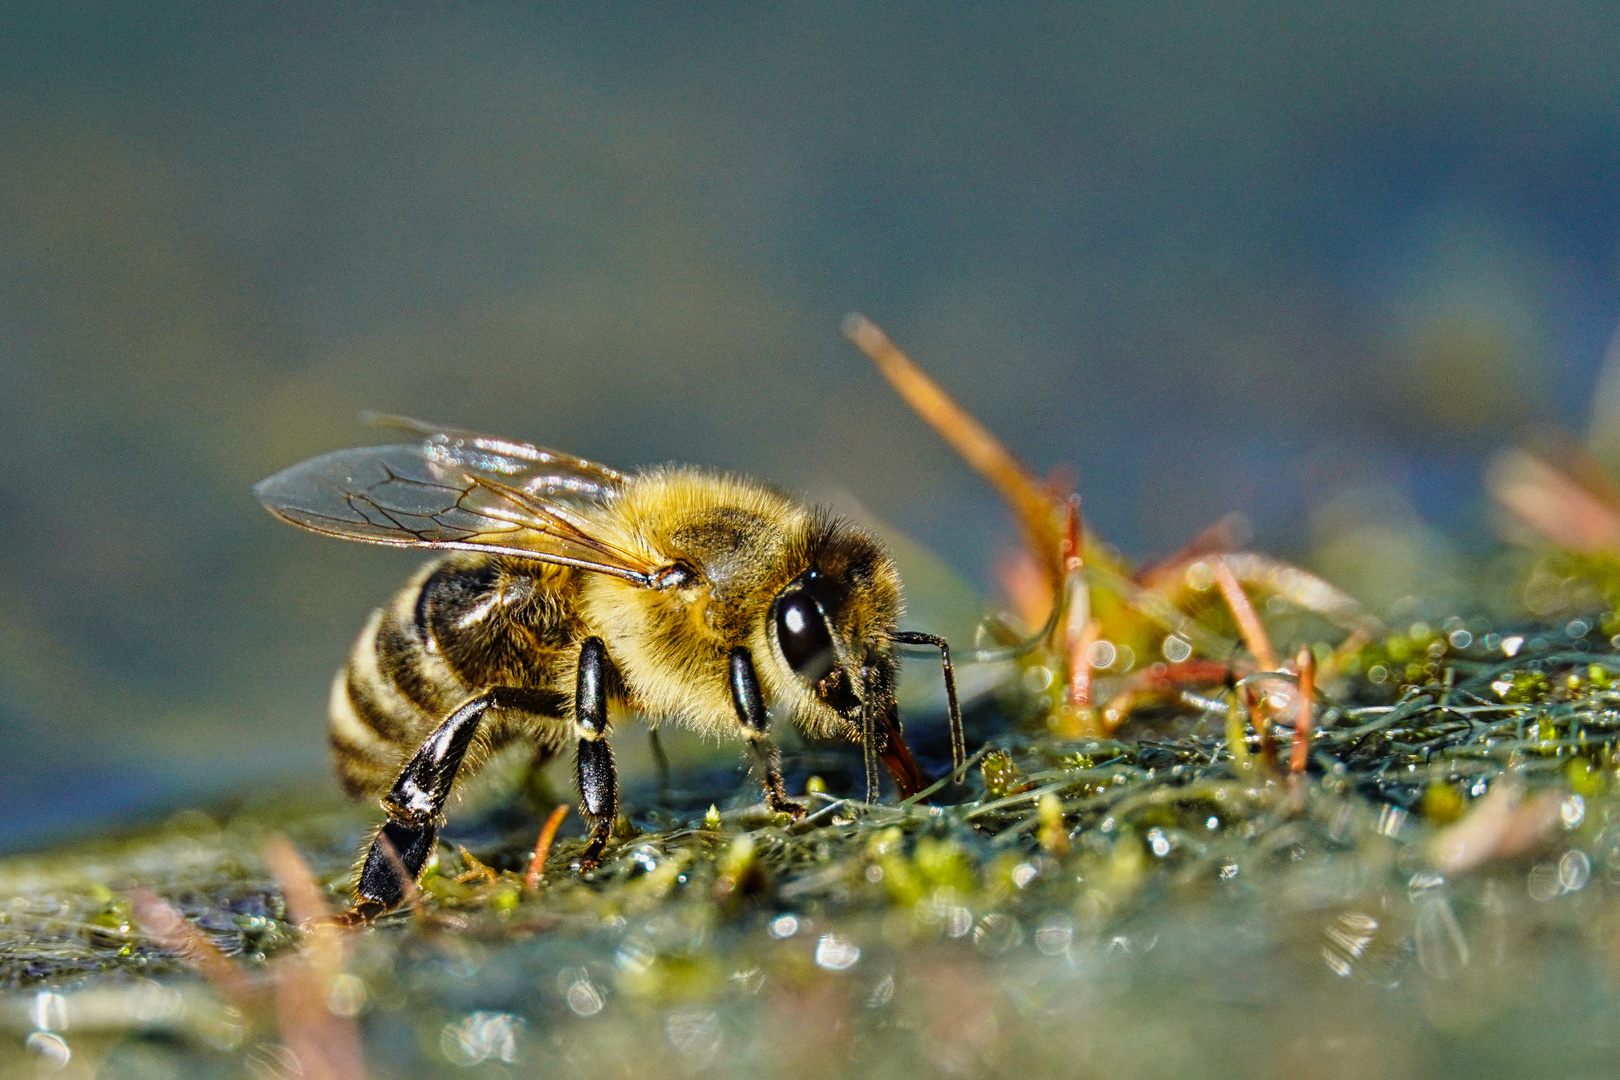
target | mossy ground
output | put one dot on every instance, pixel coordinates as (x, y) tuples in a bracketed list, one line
[(1141, 906)]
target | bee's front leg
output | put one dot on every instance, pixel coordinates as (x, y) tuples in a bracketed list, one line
[(755, 723), (598, 779)]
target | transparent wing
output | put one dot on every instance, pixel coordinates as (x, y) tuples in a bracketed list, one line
[(450, 492), (533, 469)]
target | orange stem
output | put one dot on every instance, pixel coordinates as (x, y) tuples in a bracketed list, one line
[(542, 848), (1080, 664), (1302, 725), (1249, 624), (978, 447)]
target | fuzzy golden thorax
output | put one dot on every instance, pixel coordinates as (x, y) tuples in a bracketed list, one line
[(742, 545)]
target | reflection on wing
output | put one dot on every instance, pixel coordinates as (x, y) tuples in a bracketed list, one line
[(450, 492), (533, 469)]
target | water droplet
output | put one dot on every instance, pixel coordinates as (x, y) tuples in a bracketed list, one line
[(584, 997), (1159, 842), (1023, 874), (1054, 935), (1212, 823), (346, 996), (1176, 649), (49, 1011), (51, 1047), (696, 1034), (1512, 644), (1460, 639), (1037, 679), (481, 1036), (1574, 870), (1543, 881), (835, 953), (783, 926), (1442, 950), (1199, 576), (996, 933), (1103, 654), (1572, 810), (1391, 819)]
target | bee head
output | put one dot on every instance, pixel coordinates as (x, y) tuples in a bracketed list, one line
[(831, 626)]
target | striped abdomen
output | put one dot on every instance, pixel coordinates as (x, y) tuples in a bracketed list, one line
[(462, 624)]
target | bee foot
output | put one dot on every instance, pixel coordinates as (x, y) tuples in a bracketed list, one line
[(590, 858), (361, 914), (795, 810)]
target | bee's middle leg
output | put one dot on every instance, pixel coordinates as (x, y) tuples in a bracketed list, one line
[(598, 778), (755, 724)]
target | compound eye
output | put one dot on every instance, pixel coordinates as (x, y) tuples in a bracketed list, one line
[(802, 632)]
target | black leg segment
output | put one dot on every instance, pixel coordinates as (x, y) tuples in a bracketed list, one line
[(745, 693), (398, 853), (598, 779), (755, 722), (405, 842)]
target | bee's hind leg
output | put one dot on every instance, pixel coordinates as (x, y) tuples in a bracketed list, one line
[(755, 723), (402, 847)]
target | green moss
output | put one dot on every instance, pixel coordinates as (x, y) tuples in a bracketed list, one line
[(1076, 884)]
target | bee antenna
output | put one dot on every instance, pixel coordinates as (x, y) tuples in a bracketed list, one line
[(958, 743)]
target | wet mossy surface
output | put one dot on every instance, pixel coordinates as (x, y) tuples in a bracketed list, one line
[(1128, 906)]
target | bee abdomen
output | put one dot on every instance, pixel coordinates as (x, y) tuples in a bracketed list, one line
[(462, 624), (386, 698)]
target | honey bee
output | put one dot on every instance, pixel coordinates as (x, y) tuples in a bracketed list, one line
[(572, 593)]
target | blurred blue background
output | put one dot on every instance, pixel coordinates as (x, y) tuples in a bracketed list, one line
[(1310, 262)]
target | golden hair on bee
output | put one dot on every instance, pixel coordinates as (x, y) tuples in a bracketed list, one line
[(570, 591)]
